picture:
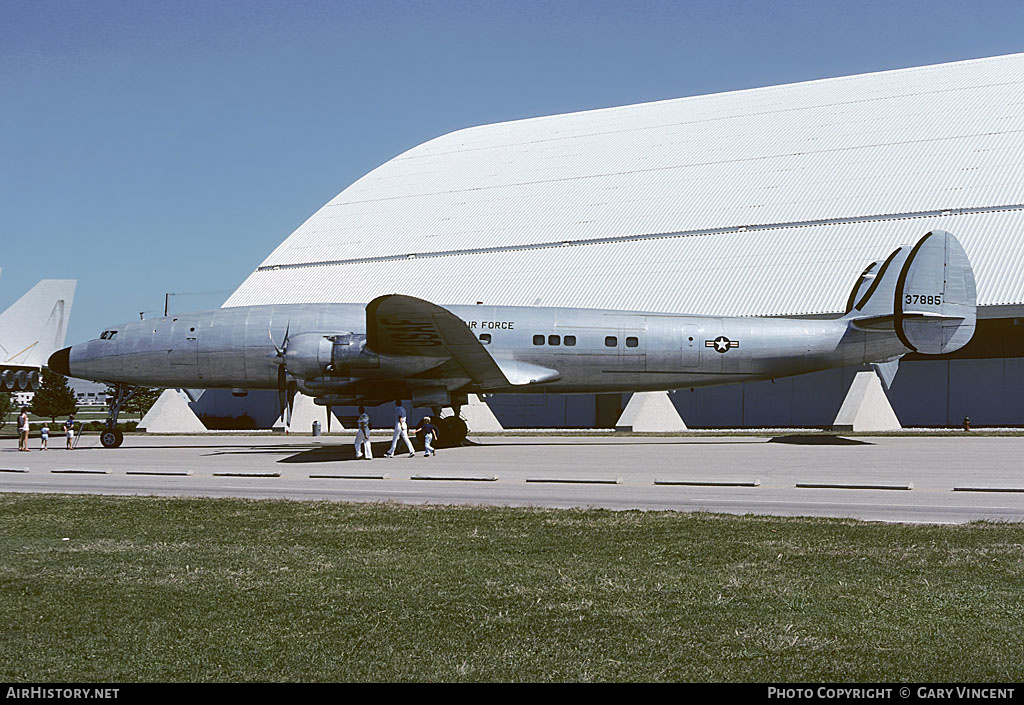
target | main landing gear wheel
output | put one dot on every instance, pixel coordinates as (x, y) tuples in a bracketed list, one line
[(451, 431), (112, 438)]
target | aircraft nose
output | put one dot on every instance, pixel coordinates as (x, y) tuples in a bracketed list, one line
[(60, 362)]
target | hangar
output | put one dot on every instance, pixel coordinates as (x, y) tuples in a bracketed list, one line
[(765, 202)]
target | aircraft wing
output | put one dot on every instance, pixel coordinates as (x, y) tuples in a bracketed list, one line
[(404, 325)]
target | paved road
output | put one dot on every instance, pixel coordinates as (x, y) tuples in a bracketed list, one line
[(524, 468)]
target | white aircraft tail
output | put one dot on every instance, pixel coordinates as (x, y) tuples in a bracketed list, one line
[(924, 292), (36, 324)]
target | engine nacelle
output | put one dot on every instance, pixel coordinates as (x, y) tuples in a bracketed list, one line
[(308, 355), (349, 353), (351, 358), (330, 360)]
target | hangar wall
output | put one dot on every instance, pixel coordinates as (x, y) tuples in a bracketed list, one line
[(932, 393), (766, 202), (929, 394)]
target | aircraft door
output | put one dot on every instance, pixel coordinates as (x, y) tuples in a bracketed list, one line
[(184, 344), (691, 346), (671, 347), (631, 347)]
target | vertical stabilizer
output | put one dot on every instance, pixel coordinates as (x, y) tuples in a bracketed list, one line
[(36, 324), (925, 294)]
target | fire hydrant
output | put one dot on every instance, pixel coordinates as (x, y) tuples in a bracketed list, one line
[(967, 423)]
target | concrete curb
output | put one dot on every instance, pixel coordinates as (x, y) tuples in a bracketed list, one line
[(578, 480), (462, 478), (247, 474), (710, 483), (348, 476), (843, 486), (81, 471)]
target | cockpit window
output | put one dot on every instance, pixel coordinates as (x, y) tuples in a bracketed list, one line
[(108, 335)]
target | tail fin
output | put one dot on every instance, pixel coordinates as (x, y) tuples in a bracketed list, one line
[(925, 293), (36, 324)]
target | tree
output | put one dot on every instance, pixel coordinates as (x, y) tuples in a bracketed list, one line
[(54, 397), (5, 407)]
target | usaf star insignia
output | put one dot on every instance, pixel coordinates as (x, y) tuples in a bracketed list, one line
[(721, 344)]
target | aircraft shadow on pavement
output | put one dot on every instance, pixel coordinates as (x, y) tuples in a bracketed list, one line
[(347, 451), (628, 442), (818, 440)]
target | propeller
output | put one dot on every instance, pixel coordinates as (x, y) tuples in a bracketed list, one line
[(286, 389), (280, 352)]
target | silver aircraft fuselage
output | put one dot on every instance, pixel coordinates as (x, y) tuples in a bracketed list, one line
[(589, 350)]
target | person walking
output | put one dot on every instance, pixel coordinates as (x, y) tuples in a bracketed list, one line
[(23, 429), (401, 431), (430, 434), (364, 448)]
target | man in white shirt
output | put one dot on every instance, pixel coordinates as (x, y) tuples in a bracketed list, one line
[(401, 431)]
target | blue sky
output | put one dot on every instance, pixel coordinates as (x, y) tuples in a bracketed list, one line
[(169, 146)]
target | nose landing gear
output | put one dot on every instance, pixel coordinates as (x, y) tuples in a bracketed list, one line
[(112, 436)]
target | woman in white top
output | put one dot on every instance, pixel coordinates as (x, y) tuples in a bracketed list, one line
[(23, 430), (363, 447)]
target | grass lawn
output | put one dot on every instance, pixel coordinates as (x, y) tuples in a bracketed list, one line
[(154, 589)]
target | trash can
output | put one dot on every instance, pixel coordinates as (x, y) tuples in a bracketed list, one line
[(316, 428)]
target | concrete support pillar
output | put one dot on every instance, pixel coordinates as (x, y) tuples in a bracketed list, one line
[(171, 414), (479, 417), (866, 408), (650, 412), (304, 412)]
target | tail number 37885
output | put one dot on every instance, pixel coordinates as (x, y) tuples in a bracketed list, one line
[(924, 299)]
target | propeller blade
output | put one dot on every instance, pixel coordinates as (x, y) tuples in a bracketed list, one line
[(282, 381), (293, 389), (280, 351)]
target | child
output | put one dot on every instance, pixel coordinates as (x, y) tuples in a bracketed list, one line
[(429, 434), (44, 433)]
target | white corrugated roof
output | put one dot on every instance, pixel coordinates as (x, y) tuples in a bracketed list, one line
[(763, 201)]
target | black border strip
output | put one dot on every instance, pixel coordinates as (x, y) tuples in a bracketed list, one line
[(853, 292), (878, 278), (897, 304)]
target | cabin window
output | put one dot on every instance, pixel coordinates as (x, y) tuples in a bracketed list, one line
[(569, 340), (611, 341), (632, 342), (485, 338), (538, 340), (554, 340)]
